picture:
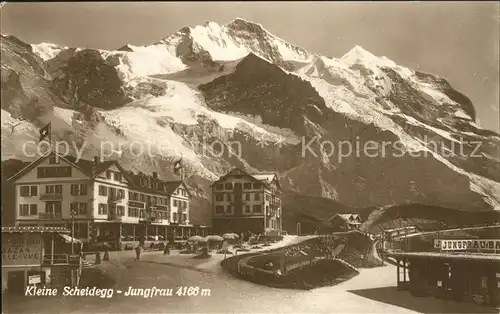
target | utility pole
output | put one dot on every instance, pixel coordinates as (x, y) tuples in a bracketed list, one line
[(72, 231)]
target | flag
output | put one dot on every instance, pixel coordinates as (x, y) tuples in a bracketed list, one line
[(178, 166), (45, 131)]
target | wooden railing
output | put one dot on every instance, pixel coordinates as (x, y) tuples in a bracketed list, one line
[(50, 197), (49, 215)]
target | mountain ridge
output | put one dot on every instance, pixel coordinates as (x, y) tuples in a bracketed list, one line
[(225, 86)]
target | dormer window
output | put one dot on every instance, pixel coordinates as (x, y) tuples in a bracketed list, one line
[(53, 160)]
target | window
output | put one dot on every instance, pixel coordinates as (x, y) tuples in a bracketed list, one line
[(247, 208), (53, 189), (256, 186), (175, 203), (133, 212), (257, 208), (24, 209), (228, 197), (121, 193), (219, 186), (268, 198), (267, 210), (103, 209), (53, 172), (120, 210), (73, 207), (118, 176), (247, 196), (27, 190), (103, 190), (53, 208), (247, 186), (78, 189), (184, 217), (174, 217), (108, 174), (82, 209), (219, 209), (229, 209), (33, 209), (143, 197), (257, 196), (229, 186), (53, 160), (78, 208)]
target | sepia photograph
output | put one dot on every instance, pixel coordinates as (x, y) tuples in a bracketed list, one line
[(250, 157)]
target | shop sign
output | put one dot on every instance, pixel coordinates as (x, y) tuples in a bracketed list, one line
[(468, 244)]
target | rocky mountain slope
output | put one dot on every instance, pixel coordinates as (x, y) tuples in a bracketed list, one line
[(236, 95)]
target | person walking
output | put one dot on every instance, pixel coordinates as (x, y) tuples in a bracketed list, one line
[(138, 251), (166, 250)]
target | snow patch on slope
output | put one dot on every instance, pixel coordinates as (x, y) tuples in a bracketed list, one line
[(65, 114), (15, 133), (145, 61), (152, 121), (47, 51)]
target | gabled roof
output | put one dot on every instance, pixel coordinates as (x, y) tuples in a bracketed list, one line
[(154, 184), (91, 169), (349, 218), (84, 165), (268, 177), (42, 158), (265, 178)]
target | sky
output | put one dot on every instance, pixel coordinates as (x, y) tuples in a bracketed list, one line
[(458, 41)]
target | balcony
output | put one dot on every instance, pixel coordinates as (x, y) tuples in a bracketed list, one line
[(115, 217), (158, 221), (50, 215), (50, 197)]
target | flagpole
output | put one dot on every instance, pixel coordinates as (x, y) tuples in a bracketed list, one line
[(182, 168)]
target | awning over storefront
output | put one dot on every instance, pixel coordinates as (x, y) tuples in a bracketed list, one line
[(69, 239)]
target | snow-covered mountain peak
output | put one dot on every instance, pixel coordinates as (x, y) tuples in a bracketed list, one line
[(235, 40), (359, 55), (47, 51)]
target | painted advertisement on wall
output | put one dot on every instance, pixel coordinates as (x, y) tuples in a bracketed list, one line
[(21, 249)]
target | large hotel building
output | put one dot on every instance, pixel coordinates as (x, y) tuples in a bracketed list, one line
[(245, 202), (101, 200)]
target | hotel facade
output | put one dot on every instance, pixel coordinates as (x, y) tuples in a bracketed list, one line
[(245, 202), (101, 202)]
